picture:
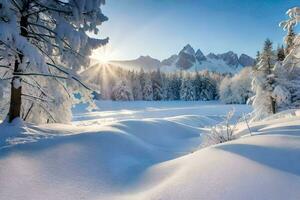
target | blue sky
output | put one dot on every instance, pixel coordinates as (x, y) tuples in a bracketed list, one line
[(161, 28)]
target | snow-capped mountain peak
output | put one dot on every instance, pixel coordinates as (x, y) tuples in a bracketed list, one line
[(200, 56), (230, 58), (188, 49), (246, 60), (189, 59), (186, 57)]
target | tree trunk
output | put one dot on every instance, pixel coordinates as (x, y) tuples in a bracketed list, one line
[(271, 82), (16, 87), (15, 97), (273, 105)]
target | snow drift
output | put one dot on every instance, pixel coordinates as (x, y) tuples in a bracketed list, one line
[(150, 158)]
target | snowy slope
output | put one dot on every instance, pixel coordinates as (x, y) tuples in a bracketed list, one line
[(210, 64), (112, 111), (264, 166), (136, 155), (146, 62)]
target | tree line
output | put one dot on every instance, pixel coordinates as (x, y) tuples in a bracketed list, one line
[(126, 85)]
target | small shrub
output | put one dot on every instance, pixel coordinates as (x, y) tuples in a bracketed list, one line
[(222, 132)]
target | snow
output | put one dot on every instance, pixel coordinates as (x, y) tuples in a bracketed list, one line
[(211, 64), (112, 111), (150, 150)]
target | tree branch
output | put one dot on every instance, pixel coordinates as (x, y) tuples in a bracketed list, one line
[(39, 74)]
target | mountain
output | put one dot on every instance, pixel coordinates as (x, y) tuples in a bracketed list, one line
[(187, 59), (143, 62), (200, 56), (246, 60), (191, 60), (169, 61)]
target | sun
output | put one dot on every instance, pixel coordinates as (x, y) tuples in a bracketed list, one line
[(103, 54)]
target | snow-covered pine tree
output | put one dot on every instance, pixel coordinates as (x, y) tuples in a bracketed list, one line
[(205, 89), (198, 86), (289, 39), (157, 85), (173, 88), (206, 86), (280, 53), (147, 89), (122, 92), (168, 87), (257, 58), (209, 89), (43, 44), (187, 90), (142, 78), (287, 91), (136, 87), (263, 83), (165, 83)]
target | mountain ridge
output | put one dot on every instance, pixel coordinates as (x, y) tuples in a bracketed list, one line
[(191, 60)]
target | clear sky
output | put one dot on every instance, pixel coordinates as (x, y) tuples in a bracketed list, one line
[(160, 28)]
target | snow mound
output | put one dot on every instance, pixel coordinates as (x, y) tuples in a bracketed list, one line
[(153, 158), (87, 161)]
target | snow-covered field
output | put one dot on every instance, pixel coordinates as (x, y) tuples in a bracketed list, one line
[(149, 150)]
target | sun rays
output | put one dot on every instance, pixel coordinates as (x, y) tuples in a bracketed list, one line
[(103, 54)]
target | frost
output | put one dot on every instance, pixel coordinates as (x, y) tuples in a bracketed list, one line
[(44, 44)]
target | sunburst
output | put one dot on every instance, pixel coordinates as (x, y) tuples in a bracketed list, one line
[(103, 54)]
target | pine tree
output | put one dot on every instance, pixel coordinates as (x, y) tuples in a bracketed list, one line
[(136, 87), (44, 44), (142, 77), (287, 91), (165, 85), (122, 92), (208, 89), (147, 89), (187, 90), (198, 86), (257, 57), (174, 86), (263, 83), (290, 40), (157, 85), (280, 53)]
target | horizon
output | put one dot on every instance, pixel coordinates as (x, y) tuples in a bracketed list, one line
[(229, 25)]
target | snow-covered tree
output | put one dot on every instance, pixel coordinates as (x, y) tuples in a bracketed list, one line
[(287, 90), (122, 92), (237, 89), (263, 83), (289, 39), (205, 86), (198, 81), (42, 46), (187, 90), (165, 84), (280, 53), (147, 89), (136, 87), (157, 85), (173, 88)]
